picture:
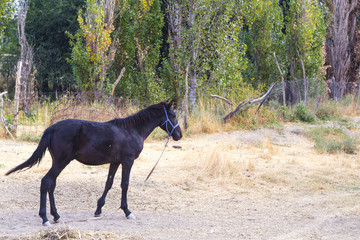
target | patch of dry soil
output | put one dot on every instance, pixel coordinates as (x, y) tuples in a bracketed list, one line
[(264, 184)]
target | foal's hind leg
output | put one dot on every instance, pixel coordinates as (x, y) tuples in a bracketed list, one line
[(53, 209), (110, 179), (48, 183)]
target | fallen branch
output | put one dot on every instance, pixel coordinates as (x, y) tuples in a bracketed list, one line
[(257, 99), (2, 118), (222, 98)]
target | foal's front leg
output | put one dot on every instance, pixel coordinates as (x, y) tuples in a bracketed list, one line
[(126, 168)]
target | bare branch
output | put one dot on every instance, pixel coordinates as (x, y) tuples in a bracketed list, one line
[(118, 80), (222, 98)]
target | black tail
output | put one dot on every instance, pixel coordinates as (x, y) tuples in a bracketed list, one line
[(37, 155)]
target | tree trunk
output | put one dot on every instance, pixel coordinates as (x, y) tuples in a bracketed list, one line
[(193, 57), (282, 79), (26, 57), (192, 90), (186, 105), (174, 18), (17, 96), (304, 78), (342, 40)]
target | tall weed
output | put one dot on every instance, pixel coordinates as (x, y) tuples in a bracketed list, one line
[(327, 110)]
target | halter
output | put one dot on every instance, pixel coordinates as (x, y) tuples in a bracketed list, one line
[(168, 121), (167, 141)]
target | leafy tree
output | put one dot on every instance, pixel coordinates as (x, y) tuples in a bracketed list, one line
[(8, 44), (222, 55), (205, 48), (139, 34), (6, 14), (305, 33), (9, 55), (261, 33), (47, 22), (91, 53)]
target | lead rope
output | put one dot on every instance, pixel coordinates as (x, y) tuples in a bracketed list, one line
[(158, 159), (167, 141)]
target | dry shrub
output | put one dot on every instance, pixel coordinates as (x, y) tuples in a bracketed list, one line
[(2, 132), (251, 119), (206, 118), (82, 107), (218, 162), (269, 149), (352, 110), (327, 110), (204, 124)]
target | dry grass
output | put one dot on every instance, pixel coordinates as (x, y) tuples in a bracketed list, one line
[(207, 118), (66, 233), (218, 163)]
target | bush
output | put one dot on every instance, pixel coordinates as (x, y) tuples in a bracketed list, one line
[(332, 140), (284, 113), (303, 114)]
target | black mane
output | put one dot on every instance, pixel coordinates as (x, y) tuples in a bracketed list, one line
[(140, 117)]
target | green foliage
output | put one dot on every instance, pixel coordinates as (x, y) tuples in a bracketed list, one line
[(305, 28), (332, 140), (46, 26), (9, 52), (287, 28), (90, 47), (303, 114), (261, 33), (7, 8), (227, 45), (221, 56), (138, 32), (300, 113)]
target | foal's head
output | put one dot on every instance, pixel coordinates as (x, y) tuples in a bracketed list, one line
[(169, 122)]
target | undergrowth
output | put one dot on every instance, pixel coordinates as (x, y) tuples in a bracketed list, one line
[(206, 117), (332, 140)]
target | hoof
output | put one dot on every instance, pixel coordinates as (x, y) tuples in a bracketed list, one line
[(131, 216), (47, 224), (97, 215)]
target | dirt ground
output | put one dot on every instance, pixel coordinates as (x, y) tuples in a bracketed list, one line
[(263, 184)]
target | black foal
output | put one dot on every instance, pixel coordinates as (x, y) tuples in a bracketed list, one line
[(119, 141)]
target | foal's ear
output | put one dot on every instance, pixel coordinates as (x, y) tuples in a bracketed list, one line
[(170, 104), (173, 104)]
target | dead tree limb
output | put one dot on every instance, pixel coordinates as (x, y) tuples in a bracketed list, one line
[(282, 79), (118, 80), (2, 118), (260, 98), (222, 98)]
